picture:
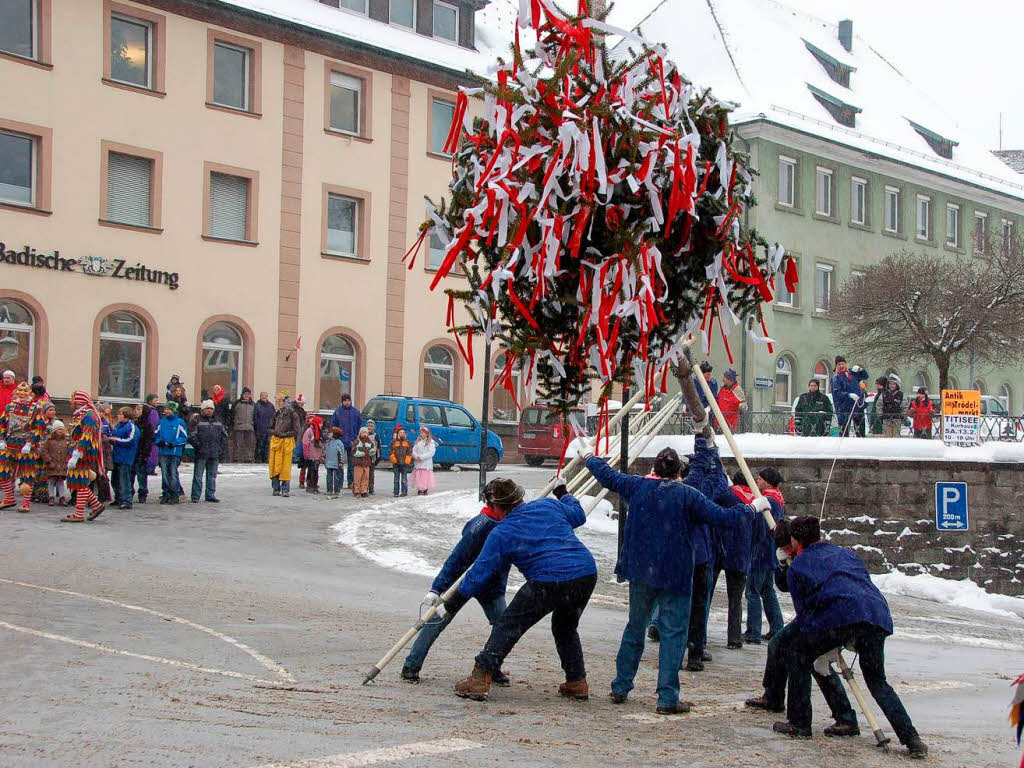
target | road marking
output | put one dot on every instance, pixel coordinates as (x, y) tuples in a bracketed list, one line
[(270, 664), (143, 656), (382, 755)]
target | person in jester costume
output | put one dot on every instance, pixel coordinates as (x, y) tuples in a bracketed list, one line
[(21, 436), (86, 460)]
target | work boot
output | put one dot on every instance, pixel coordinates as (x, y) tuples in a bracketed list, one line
[(762, 702), (843, 729), (617, 698), (652, 634), (500, 679), (681, 708), (577, 690), (916, 748), (410, 675), (734, 646), (752, 639), (476, 686), (705, 657), (793, 731), (694, 665)]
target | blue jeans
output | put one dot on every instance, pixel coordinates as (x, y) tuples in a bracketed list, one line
[(209, 468), (673, 622), (281, 486), (140, 478), (335, 480), (123, 484), (761, 591), (351, 468), (401, 478), (492, 610), (170, 483)]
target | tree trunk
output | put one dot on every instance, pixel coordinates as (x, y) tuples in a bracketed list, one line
[(942, 363)]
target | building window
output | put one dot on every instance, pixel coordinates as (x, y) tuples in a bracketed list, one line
[(337, 371), (1007, 236), (231, 75), (823, 375), (842, 113), (979, 385), (892, 209), (346, 103), (131, 51), (782, 296), (858, 277), (19, 27), (437, 251), (446, 21), (980, 232), (823, 191), (342, 225), (229, 207), (783, 381), (439, 373), (858, 200), (953, 225), (441, 115), (129, 190), (17, 169), (503, 405), (953, 383), (924, 218), (787, 181), (359, 6), (222, 360), (17, 339), (122, 369), (402, 13), (822, 287), (1006, 397), (921, 380)]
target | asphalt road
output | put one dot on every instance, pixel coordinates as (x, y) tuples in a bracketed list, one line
[(238, 635)]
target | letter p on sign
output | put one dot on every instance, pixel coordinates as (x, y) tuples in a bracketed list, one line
[(951, 507)]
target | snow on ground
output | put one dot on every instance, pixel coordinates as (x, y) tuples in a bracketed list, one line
[(964, 594), (794, 447)]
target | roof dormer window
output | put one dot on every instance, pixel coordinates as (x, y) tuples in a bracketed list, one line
[(837, 70), (942, 146), (843, 113)]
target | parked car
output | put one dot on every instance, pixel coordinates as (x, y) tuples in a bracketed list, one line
[(542, 433), (455, 430)]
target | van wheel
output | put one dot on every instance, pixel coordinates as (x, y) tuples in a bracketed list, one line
[(446, 467), (490, 459), (533, 461)]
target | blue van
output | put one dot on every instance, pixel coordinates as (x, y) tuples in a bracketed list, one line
[(454, 429)]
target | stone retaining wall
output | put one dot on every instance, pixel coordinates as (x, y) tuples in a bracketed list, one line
[(885, 511)]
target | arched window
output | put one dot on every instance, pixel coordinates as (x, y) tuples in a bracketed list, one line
[(921, 380), (823, 374), (784, 380), (222, 359), (122, 369), (503, 407), (1006, 397), (439, 373), (979, 385), (17, 339), (953, 383), (337, 371)]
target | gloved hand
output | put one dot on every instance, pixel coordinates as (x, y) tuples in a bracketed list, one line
[(3, 445), (585, 452), (442, 613), (559, 489), (856, 369), (854, 397), (698, 425), (761, 504), (431, 599), (710, 440), (26, 449), (73, 461), (782, 556), (823, 664)]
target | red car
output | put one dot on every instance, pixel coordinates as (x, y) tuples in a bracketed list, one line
[(542, 433)]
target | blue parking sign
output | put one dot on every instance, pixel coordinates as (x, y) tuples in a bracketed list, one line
[(951, 507)]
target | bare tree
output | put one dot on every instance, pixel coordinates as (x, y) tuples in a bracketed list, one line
[(912, 307)]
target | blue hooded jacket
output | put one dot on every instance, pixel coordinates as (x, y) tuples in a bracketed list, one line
[(763, 558), (537, 538), (125, 439), (657, 549), (474, 535), (831, 588), (710, 484), (171, 436), (349, 419), (844, 385)]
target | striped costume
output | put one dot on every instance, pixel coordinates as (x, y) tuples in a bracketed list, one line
[(21, 425), (85, 438)]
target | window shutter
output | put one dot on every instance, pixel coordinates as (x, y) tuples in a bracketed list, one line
[(229, 206), (129, 181)]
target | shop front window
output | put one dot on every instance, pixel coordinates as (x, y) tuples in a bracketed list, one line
[(17, 339), (122, 369), (222, 360)]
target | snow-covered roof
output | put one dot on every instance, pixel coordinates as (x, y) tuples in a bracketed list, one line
[(762, 55)]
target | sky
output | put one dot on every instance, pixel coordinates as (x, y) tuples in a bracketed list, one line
[(965, 55)]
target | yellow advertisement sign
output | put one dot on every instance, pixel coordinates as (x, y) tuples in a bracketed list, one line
[(961, 402), (961, 417)]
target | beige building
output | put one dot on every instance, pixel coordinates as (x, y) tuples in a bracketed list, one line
[(193, 186)]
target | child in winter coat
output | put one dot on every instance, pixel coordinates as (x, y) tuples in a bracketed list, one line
[(313, 452), (401, 460), (423, 462), (125, 441), (921, 411), (334, 459), (892, 408), (371, 427), (364, 452), (55, 463)]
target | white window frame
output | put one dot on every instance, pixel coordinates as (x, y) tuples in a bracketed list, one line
[(434, 100), (790, 299), (150, 32), (790, 164), (362, 12), (980, 217), (213, 346), (32, 170), (517, 375), (246, 75), (402, 26), (141, 341), (1005, 396), (927, 220), (820, 176), (355, 226), (855, 273), (953, 208), (23, 328), (345, 82), (824, 380), (788, 373), (891, 193), (822, 267), (350, 359), (855, 183), (433, 33), (33, 34), (429, 366)]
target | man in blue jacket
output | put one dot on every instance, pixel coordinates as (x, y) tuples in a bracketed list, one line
[(491, 595), (763, 563), (171, 436), (537, 537), (348, 418), (657, 560), (837, 605), (848, 396)]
